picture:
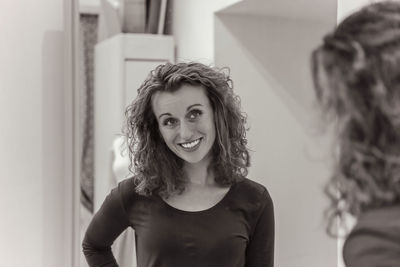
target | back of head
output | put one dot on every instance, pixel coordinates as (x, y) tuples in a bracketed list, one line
[(356, 74)]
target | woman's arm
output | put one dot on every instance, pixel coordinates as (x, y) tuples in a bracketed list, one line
[(106, 225), (260, 251)]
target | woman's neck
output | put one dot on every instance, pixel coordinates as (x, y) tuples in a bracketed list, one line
[(198, 173)]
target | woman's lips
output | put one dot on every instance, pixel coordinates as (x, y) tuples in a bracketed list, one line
[(192, 145)]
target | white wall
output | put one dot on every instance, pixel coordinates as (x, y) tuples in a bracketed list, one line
[(32, 182), (193, 28), (346, 7), (94, 3), (269, 61)]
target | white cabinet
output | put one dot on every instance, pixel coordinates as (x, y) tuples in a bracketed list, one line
[(121, 65)]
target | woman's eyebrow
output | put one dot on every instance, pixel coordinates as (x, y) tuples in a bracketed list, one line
[(194, 105), (164, 114), (187, 109)]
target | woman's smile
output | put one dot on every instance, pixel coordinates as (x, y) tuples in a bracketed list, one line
[(192, 145)]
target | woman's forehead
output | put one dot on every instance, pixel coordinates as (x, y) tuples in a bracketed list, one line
[(180, 100)]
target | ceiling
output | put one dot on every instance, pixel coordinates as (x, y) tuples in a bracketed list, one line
[(315, 10)]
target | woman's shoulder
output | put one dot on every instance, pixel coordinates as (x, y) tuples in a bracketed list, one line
[(252, 191), (252, 186), (384, 220), (127, 190), (127, 185), (374, 238)]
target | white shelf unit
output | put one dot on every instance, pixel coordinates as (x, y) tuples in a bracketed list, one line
[(121, 65)]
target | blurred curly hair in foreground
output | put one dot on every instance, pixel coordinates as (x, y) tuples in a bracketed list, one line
[(356, 74)]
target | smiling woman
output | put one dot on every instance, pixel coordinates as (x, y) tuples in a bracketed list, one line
[(189, 201), (186, 122)]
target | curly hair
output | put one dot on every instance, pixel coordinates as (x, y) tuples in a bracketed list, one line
[(156, 169), (356, 74)]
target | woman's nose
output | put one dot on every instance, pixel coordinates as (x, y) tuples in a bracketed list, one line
[(185, 131)]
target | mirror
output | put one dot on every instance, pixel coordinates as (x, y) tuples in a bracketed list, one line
[(266, 44)]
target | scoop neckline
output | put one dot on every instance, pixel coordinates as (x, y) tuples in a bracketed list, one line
[(210, 209)]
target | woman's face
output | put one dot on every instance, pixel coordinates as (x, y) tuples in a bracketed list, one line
[(186, 122)]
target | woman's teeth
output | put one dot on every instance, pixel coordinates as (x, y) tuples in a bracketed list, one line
[(190, 144)]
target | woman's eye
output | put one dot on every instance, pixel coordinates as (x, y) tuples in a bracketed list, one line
[(170, 122), (194, 114)]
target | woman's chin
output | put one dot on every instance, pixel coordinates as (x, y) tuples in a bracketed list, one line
[(196, 159), (192, 160)]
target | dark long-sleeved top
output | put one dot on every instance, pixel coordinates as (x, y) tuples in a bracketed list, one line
[(237, 232), (375, 239)]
